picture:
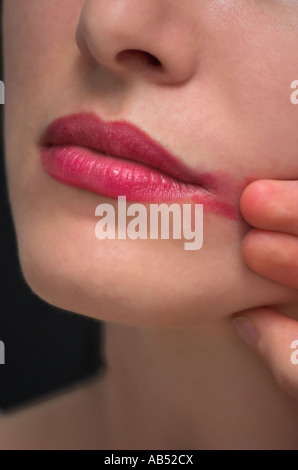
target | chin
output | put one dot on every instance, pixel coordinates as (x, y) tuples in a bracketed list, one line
[(141, 283), (135, 282)]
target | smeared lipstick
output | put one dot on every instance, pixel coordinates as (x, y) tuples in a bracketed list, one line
[(117, 159)]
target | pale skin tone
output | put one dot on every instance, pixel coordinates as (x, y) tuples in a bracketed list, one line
[(178, 374)]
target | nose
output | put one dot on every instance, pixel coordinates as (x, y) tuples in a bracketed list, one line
[(150, 37)]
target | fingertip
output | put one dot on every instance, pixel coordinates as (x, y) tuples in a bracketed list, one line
[(252, 200), (252, 249), (246, 330), (275, 341)]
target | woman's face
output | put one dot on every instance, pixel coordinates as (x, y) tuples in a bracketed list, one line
[(209, 81)]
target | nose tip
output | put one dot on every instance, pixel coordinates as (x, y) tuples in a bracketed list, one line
[(137, 37)]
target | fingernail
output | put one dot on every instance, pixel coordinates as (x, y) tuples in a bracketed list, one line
[(246, 330)]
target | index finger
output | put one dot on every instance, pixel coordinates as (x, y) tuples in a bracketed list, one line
[(271, 205)]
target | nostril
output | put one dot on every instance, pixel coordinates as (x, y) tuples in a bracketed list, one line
[(138, 58)]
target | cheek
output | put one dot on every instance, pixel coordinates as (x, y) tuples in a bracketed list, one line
[(255, 78), (36, 35)]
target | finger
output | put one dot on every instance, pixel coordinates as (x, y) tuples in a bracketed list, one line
[(271, 205), (273, 255), (274, 337)]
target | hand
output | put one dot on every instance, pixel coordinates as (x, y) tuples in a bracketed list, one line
[(271, 249)]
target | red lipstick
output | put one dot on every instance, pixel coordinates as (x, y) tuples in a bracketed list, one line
[(117, 159)]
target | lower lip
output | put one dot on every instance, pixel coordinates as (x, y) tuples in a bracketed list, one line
[(112, 177)]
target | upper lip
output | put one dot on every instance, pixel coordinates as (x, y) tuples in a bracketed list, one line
[(117, 139)]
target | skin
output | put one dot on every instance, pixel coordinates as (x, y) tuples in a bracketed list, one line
[(181, 325), (271, 249)]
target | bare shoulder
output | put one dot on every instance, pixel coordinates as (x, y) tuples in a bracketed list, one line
[(70, 420)]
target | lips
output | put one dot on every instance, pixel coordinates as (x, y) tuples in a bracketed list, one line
[(117, 159)]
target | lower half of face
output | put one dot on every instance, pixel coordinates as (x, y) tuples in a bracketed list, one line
[(232, 120)]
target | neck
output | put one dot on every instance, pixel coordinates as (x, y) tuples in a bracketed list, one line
[(190, 388)]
